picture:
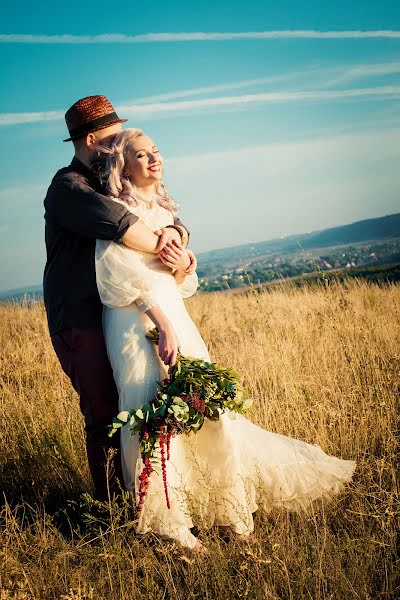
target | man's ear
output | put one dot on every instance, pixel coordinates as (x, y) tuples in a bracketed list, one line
[(90, 141)]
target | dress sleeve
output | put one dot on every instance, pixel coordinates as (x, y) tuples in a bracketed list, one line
[(189, 285), (121, 276)]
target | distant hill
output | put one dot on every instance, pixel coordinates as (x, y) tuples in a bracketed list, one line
[(30, 292), (366, 230), (360, 231)]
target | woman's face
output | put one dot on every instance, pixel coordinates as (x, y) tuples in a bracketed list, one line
[(143, 162)]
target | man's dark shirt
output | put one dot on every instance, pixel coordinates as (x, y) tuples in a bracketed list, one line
[(77, 213)]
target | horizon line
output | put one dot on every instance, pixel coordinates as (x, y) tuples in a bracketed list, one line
[(5, 292)]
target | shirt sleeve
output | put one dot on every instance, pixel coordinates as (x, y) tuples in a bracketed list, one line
[(177, 221), (76, 207), (121, 276)]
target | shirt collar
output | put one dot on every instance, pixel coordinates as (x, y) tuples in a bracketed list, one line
[(89, 174), (79, 167)]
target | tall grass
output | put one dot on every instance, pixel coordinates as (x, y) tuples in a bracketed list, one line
[(322, 364)]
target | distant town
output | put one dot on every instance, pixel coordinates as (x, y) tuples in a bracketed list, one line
[(272, 266), (369, 249)]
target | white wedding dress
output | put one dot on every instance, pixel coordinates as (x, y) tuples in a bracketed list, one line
[(222, 474)]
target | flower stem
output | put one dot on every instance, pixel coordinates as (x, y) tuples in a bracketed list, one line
[(163, 464)]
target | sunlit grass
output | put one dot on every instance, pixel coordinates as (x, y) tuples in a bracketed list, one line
[(322, 364)]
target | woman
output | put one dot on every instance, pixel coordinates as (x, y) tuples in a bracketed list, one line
[(230, 467)]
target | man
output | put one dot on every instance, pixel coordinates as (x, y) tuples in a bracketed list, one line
[(77, 212)]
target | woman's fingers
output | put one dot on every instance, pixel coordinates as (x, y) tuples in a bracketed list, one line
[(173, 356), (169, 357), (169, 263), (168, 351), (193, 262), (173, 250), (170, 258)]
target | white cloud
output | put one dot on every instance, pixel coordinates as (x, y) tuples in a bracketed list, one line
[(327, 76), (156, 105), (30, 117), (121, 38), (223, 87), (153, 110), (364, 71), (261, 192), (22, 202)]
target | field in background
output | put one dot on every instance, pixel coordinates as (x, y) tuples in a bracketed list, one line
[(322, 365)]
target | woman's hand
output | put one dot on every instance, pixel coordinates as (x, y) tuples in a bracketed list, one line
[(193, 263), (175, 257), (168, 344)]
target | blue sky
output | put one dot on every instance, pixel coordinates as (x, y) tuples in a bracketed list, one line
[(273, 118)]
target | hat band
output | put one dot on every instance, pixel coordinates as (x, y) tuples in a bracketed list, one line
[(87, 127)]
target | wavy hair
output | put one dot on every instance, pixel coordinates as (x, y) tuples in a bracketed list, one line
[(117, 181)]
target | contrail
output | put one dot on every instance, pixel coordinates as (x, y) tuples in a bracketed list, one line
[(151, 110), (121, 38)]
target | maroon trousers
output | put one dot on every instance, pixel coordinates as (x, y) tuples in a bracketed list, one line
[(83, 357)]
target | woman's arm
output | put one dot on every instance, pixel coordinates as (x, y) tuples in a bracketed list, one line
[(121, 279), (168, 342)]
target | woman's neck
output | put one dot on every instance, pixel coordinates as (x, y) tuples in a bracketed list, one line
[(147, 192)]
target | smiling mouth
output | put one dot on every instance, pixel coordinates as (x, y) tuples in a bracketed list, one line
[(154, 168)]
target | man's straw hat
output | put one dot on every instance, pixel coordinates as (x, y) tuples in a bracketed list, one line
[(90, 114)]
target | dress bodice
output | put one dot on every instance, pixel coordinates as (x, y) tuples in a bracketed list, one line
[(125, 275)]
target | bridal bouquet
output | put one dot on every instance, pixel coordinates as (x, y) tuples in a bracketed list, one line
[(196, 390)]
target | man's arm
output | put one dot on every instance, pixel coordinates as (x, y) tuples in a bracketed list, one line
[(137, 237), (79, 209), (140, 237)]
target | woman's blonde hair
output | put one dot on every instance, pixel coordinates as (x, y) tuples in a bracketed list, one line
[(118, 183)]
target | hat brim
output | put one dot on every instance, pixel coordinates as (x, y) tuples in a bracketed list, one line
[(93, 129)]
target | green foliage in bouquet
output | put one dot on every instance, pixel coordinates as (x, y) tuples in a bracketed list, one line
[(196, 390)]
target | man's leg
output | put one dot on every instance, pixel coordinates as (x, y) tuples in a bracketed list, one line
[(83, 357)]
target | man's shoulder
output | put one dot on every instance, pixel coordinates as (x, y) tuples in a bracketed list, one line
[(68, 175), (70, 179)]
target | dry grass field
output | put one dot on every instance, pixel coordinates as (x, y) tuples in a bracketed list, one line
[(322, 364)]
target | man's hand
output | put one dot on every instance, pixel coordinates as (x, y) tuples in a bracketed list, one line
[(167, 234)]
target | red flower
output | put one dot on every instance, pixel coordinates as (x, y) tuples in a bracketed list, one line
[(163, 465), (198, 403)]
